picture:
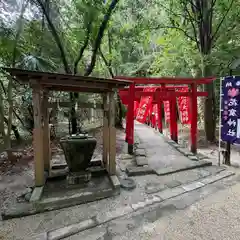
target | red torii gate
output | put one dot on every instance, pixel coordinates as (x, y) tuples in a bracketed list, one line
[(134, 93)]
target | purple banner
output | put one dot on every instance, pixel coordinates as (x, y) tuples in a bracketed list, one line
[(230, 111)]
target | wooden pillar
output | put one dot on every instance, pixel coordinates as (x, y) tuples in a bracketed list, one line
[(159, 109), (112, 136), (173, 120), (131, 118), (128, 116), (194, 118), (38, 136), (150, 115), (46, 133), (105, 129)]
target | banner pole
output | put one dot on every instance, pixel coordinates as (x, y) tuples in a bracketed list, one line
[(220, 127)]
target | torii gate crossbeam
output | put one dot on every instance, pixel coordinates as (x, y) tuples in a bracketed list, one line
[(164, 94)]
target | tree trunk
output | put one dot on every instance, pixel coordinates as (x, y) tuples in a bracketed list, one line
[(120, 113), (2, 127), (14, 129), (209, 106), (73, 115), (10, 112)]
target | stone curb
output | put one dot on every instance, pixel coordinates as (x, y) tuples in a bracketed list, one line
[(44, 205), (142, 164), (105, 217), (71, 229), (181, 149)]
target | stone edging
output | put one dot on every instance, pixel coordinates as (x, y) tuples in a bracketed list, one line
[(105, 217), (181, 149), (39, 206)]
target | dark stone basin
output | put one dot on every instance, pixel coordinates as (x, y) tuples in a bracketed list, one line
[(78, 151)]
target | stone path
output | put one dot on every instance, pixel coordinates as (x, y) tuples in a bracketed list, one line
[(121, 217)]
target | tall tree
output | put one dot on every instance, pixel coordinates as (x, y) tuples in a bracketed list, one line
[(96, 45), (196, 19)]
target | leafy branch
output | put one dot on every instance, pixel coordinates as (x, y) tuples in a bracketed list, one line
[(85, 44), (99, 37), (55, 35), (214, 38)]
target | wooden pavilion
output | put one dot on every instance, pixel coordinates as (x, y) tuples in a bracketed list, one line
[(43, 82)]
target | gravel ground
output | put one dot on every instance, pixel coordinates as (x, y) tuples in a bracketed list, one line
[(213, 218)]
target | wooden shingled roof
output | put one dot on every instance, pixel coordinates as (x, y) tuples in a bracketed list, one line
[(67, 82)]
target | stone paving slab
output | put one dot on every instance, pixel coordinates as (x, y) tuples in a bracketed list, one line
[(170, 192), (141, 160), (185, 151), (215, 169), (193, 186), (154, 187), (217, 177), (140, 152), (183, 167), (173, 184), (71, 229), (139, 171)]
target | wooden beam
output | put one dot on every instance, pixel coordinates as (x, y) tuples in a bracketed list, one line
[(79, 104), (46, 133), (164, 94), (166, 80), (38, 137), (105, 130), (26, 75), (76, 89), (73, 83), (140, 88), (112, 135)]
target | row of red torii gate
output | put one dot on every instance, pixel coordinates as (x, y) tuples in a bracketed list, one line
[(145, 98)]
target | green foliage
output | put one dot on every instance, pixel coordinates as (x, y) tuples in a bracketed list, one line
[(153, 38)]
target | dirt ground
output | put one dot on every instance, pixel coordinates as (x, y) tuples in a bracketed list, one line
[(17, 177)]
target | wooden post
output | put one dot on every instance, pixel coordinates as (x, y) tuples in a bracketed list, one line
[(105, 129), (150, 115), (159, 109), (194, 118), (128, 116), (46, 133), (227, 154), (38, 136), (112, 135), (173, 120), (131, 118), (163, 89)]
